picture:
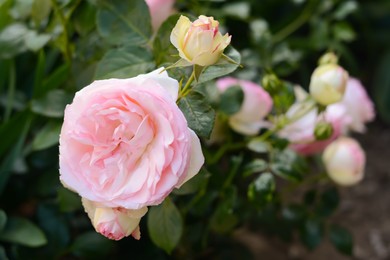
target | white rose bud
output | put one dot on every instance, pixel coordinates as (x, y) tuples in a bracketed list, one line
[(344, 160), (328, 83)]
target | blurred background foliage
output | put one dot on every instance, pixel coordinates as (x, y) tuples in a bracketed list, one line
[(49, 49)]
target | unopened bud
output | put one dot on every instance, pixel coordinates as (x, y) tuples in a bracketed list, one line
[(271, 83), (328, 83), (328, 58), (323, 130), (344, 160)]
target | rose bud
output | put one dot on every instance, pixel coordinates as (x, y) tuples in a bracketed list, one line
[(255, 106), (344, 161), (328, 83), (160, 10), (126, 144), (114, 223), (199, 42)]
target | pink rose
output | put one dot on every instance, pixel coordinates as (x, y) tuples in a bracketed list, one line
[(255, 107), (114, 223), (125, 143), (301, 132), (160, 10), (344, 161), (358, 105)]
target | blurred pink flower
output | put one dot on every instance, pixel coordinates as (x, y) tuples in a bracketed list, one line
[(255, 107), (160, 10), (358, 106), (344, 160)]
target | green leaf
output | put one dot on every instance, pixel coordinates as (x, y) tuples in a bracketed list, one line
[(222, 67), (382, 87), (345, 8), (255, 166), (199, 114), (40, 11), (329, 202), (342, 239), (165, 225), (16, 137), (294, 213), (35, 41), (343, 32), (56, 227), (47, 136), (13, 129), (84, 18), (12, 40), (224, 218), (163, 49), (53, 81), (39, 72), (68, 200), (92, 245), (288, 165), (231, 100), (124, 22), (261, 190), (311, 233), (258, 145), (5, 17), (125, 62), (3, 219), (51, 105), (24, 232)]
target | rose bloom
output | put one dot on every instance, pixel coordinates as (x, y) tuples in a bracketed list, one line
[(256, 105), (358, 105), (114, 223), (125, 143), (199, 42), (328, 83), (344, 160), (160, 10)]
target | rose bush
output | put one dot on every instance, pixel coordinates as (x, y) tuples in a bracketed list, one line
[(125, 143)]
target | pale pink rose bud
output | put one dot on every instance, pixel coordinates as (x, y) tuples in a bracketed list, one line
[(358, 105), (344, 160), (328, 83), (160, 10), (256, 105), (126, 144), (114, 223), (199, 42)]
